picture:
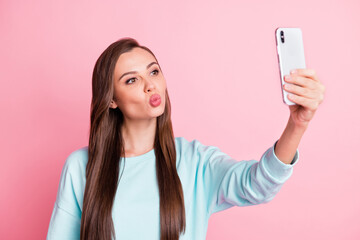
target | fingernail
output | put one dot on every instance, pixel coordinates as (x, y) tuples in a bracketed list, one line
[(293, 71), (287, 77)]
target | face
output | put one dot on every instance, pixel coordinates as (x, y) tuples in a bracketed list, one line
[(137, 76)]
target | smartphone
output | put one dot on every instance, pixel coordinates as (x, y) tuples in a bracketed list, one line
[(290, 52)]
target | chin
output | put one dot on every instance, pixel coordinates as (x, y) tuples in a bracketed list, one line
[(160, 111)]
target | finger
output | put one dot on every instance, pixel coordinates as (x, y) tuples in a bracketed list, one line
[(301, 81), (306, 72), (305, 102), (301, 91)]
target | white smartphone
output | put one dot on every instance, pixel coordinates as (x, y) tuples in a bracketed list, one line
[(290, 52)]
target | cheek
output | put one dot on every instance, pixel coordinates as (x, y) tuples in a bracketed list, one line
[(129, 99), (162, 84)]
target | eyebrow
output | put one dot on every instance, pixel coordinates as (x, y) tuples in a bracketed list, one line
[(132, 72)]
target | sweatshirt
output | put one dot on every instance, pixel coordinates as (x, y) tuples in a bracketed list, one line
[(212, 181)]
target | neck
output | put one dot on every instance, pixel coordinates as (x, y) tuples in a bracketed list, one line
[(139, 136)]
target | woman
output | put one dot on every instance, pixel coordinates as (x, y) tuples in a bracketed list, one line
[(136, 181)]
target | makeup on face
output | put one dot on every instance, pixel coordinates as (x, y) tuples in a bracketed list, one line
[(155, 100)]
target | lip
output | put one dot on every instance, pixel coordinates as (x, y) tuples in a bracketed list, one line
[(155, 100)]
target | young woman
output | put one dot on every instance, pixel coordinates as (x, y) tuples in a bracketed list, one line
[(136, 181)]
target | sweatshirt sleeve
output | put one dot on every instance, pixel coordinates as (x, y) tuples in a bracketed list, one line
[(229, 182), (66, 216)]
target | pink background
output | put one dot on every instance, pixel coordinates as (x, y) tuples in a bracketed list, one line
[(220, 63)]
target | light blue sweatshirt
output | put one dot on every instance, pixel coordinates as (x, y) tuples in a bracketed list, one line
[(212, 181)]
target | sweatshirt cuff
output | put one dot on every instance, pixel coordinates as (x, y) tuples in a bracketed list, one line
[(293, 162), (275, 167)]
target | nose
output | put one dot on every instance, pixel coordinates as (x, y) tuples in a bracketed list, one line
[(148, 84)]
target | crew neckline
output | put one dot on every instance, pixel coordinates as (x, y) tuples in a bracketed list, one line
[(146, 156)]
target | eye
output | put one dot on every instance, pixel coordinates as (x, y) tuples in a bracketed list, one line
[(157, 71), (127, 82)]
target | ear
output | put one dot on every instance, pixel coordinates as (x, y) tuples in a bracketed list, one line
[(113, 104)]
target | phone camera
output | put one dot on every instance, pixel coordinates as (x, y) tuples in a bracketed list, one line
[(282, 36)]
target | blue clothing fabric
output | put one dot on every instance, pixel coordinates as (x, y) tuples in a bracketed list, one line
[(212, 181)]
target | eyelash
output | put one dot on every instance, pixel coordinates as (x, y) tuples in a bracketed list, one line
[(127, 82)]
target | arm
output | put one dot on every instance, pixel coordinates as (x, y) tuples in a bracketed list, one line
[(307, 92), (288, 143), (223, 182), (65, 220)]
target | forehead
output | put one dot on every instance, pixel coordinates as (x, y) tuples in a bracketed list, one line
[(135, 60)]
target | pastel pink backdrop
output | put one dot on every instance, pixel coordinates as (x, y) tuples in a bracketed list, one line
[(220, 63)]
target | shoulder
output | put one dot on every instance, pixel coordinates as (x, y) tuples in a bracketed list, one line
[(183, 142), (194, 148), (184, 145), (72, 182), (76, 161)]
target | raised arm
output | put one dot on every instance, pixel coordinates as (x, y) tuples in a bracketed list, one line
[(308, 93)]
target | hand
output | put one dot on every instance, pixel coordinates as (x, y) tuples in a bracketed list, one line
[(307, 92)]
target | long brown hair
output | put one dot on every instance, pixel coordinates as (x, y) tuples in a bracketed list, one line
[(106, 146)]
